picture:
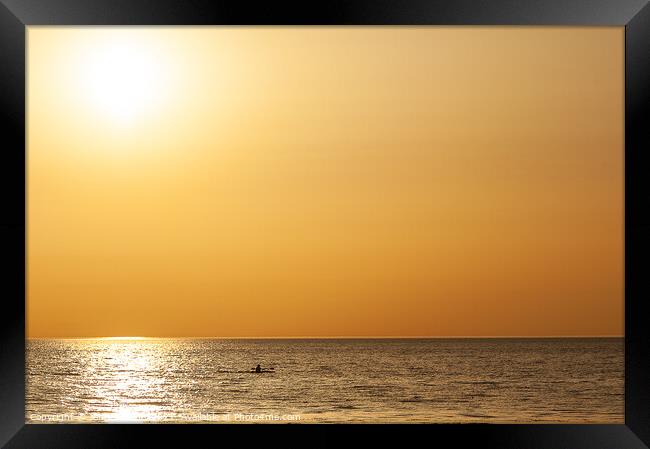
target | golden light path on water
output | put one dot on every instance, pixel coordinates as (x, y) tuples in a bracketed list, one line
[(132, 394)]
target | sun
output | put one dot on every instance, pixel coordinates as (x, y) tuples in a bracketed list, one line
[(124, 78)]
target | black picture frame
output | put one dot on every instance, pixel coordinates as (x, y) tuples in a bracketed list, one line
[(16, 15)]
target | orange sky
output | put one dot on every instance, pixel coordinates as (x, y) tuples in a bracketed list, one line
[(379, 181)]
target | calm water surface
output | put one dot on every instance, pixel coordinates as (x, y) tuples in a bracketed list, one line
[(403, 380)]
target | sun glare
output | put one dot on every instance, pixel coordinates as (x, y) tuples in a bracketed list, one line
[(123, 79)]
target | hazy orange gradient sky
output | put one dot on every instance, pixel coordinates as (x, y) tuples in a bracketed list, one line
[(325, 181)]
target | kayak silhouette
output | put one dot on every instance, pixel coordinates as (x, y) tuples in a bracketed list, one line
[(259, 370)]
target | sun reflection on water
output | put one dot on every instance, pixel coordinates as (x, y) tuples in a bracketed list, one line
[(123, 416), (130, 380)]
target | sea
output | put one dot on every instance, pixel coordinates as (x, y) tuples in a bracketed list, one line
[(465, 380)]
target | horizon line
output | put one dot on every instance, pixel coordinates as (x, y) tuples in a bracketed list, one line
[(439, 337)]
